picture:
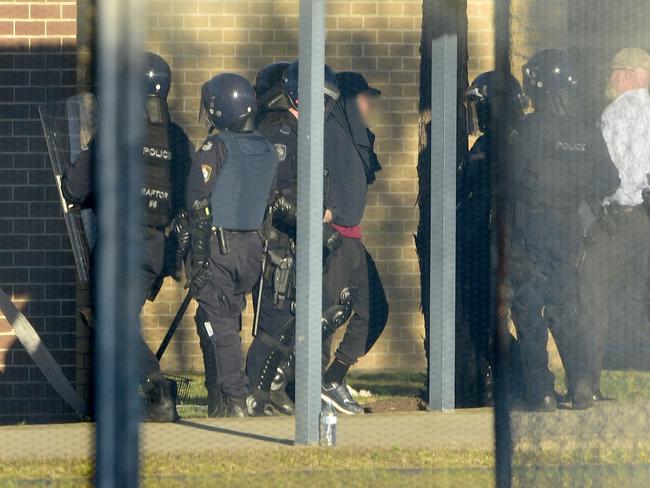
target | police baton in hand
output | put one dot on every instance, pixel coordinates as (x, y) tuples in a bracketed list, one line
[(192, 292)]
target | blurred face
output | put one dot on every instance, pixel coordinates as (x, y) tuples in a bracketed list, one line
[(366, 105), (628, 79)]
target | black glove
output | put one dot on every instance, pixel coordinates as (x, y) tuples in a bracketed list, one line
[(332, 239), (200, 229), (284, 210), (181, 230), (198, 277)]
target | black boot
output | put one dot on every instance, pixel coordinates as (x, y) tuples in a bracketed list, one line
[(235, 407), (160, 398), (583, 397), (216, 402)]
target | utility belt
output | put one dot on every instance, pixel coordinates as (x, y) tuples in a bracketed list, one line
[(222, 235)]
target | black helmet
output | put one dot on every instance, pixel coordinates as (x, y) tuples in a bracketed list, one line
[(270, 77), (548, 71), (157, 75), (480, 100), (157, 80), (267, 87), (289, 86), (228, 101)]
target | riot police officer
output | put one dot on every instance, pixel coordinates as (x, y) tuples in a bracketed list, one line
[(166, 159), (560, 170), (351, 164), (277, 86), (227, 193), (476, 264)]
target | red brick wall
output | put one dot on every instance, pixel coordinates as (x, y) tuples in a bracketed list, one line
[(37, 64)]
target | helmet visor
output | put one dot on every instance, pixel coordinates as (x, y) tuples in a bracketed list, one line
[(472, 113)]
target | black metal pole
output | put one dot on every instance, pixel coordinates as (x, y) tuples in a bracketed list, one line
[(500, 177), (117, 178)]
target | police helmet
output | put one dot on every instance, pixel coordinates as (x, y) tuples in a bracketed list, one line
[(547, 72), (289, 84), (228, 101), (480, 99), (157, 75), (157, 81), (267, 87), (269, 77)]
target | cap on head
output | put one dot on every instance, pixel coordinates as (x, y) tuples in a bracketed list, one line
[(352, 84), (228, 101), (631, 58)]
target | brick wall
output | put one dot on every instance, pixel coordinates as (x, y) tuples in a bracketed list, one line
[(376, 37), (200, 38), (37, 64)]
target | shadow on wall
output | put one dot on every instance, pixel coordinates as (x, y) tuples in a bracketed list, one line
[(35, 257)]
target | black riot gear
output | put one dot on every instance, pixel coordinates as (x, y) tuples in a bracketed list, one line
[(228, 100), (158, 79), (480, 101), (289, 86), (267, 87), (549, 75)]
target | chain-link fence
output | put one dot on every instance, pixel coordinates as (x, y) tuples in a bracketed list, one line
[(575, 223), (510, 138)]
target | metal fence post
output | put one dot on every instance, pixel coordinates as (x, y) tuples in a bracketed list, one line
[(442, 302), (310, 202), (117, 176)]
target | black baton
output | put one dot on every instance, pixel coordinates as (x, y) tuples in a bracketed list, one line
[(174, 325)]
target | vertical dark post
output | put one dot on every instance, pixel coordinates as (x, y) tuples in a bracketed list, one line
[(500, 178), (442, 288), (309, 264), (117, 174)]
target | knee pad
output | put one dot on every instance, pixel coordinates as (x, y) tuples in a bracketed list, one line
[(281, 353), (334, 317)]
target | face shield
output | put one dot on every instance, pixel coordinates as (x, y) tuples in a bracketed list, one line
[(203, 118), (477, 112), (331, 96), (156, 110)]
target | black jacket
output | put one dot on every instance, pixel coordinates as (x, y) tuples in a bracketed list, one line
[(350, 163)]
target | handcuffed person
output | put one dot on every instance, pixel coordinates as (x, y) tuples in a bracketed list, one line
[(351, 164)]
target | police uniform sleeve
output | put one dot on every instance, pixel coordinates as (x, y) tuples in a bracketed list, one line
[(182, 150), (206, 164), (77, 182), (285, 144)]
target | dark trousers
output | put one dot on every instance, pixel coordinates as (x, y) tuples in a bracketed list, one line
[(271, 322), (614, 292), (352, 265), (153, 257), (221, 302), (546, 298)]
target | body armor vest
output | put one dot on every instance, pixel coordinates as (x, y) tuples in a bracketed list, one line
[(157, 173), (243, 187)]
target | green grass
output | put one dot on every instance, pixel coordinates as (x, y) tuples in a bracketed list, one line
[(292, 466)]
